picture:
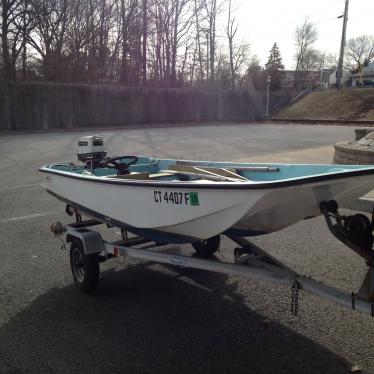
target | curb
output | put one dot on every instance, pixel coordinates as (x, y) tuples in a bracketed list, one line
[(262, 122), (131, 127), (324, 121)]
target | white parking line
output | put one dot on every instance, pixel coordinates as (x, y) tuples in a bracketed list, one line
[(36, 215), (20, 186)]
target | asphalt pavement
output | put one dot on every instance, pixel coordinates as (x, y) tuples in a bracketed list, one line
[(151, 318)]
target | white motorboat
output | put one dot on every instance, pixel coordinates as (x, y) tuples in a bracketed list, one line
[(170, 201), (185, 201)]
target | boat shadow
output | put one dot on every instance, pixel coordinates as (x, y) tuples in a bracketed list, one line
[(151, 319)]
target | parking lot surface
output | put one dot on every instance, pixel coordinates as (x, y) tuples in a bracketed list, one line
[(151, 318)]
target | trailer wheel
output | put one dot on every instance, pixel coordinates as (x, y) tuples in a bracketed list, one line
[(85, 268), (207, 247)]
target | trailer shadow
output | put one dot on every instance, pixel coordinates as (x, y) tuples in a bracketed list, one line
[(144, 319)]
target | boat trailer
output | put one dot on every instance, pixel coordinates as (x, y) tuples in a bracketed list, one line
[(88, 249)]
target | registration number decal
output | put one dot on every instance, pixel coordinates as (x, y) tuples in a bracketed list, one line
[(176, 198)]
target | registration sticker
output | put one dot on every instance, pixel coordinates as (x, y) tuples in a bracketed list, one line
[(176, 198), (194, 198)]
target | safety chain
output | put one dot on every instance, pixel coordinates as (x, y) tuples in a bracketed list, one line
[(63, 245), (295, 298)]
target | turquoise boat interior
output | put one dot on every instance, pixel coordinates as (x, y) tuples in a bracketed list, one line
[(148, 168)]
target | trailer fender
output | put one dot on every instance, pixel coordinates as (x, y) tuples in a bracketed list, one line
[(92, 241)]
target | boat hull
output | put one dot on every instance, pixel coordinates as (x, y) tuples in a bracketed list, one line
[(280, 208), (194, 212)]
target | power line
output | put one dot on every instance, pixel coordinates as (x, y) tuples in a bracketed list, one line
[(321, 10), (324, 21)]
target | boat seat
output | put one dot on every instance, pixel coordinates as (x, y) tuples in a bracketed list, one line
[(143, 176), (218, 172), (140, 176)]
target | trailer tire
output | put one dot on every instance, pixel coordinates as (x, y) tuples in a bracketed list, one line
[(205, 248), (85, 268)]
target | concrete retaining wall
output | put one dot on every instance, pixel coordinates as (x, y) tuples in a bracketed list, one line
[(353, 153), (35, 106)]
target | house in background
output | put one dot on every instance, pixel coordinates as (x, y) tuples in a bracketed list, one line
[(325, 78), (364, 78), (309, 79), (345, 79)]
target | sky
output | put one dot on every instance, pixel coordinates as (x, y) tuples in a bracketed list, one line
[(263, 22)]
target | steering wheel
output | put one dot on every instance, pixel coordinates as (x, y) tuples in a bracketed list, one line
[(122, 167)]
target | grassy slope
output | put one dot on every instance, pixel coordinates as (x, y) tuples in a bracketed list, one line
[(353, 104)]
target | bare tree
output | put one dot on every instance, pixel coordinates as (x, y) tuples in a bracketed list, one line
[(145, 29), (161, 42), (51, 19), (222, 71), (169, 38), (23, 22), (197, 12), (6, 11), (238, 54), (360, 52), (231, 30), (212, 9), (254, 76), (183, 20), (305, 37), (14, 27), (330, 61), (129, 11), (77, 41)]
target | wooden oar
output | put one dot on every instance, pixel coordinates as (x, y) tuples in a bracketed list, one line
[(222, 174), (215, 178), (199, 164)]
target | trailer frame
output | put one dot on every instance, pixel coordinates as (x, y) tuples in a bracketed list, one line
[(89, 249)]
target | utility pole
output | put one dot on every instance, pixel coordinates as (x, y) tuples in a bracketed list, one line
[(145, 27), (268, 80), (207, 57), (342, 47)]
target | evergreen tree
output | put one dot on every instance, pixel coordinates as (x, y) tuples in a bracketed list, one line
[(274, 66)]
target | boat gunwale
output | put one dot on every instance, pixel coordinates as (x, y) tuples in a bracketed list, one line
[(242, 185)]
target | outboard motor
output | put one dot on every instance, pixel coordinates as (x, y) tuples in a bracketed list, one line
[(92, 152), (91, 149)]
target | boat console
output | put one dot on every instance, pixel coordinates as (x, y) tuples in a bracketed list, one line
[(92, 152)]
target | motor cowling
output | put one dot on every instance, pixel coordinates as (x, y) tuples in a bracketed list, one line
[(91, 148)]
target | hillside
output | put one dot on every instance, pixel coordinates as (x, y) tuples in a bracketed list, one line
[(348, 104)]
